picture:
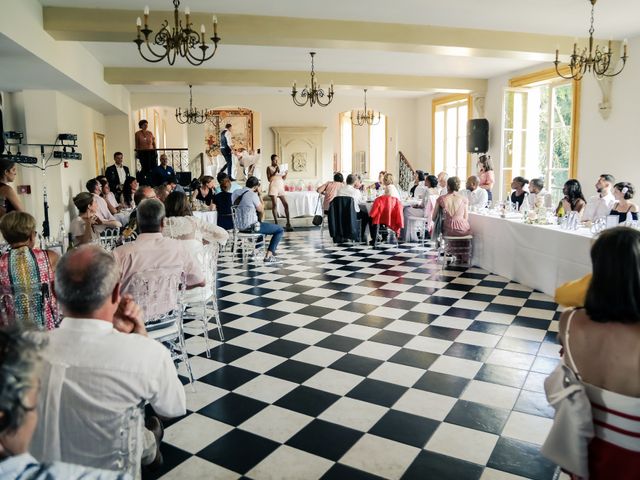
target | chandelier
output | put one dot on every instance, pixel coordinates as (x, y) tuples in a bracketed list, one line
[(191, 114), (365, 117), (597, 61), (176, 40), (313, 95)]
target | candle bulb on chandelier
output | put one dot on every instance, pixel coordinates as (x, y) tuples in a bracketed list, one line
[(557, 52), (624, 48), (138, 23), (146, 15), (215, 26), (202, 32)]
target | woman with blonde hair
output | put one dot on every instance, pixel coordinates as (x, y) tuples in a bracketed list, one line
[(389, 188), (25, 268)]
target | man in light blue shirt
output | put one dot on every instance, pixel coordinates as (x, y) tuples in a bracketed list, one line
[(249, 205)]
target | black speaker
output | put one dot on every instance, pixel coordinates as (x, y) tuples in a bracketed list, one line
[(478, 135)]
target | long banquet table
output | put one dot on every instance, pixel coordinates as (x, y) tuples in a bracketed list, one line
[(538, 256), (301, 204)]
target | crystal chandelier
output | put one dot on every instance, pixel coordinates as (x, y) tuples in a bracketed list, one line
[(597, 61), (176, 40), (191, 114), (313, 95), (365, 117)]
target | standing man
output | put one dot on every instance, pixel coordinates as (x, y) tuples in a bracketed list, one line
[(226, 147), (162, 173), (116, 175), (145, 152), (600, 205)]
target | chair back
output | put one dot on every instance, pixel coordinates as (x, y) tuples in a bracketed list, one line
[(109, 238), (159, 293), (30, 306), (234, 219), (130, 238)]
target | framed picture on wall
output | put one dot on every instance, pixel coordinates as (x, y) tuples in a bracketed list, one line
[(100, 152), (241, 120)]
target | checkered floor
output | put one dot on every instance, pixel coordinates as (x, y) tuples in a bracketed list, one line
[(347, 362)]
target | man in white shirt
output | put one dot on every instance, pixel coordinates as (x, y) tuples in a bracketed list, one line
[(152, 250), (600, 205), (100, 369), (103, 212), (538, 196), (352, 189), (477, 197)]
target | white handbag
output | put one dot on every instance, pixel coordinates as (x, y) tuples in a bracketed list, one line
[(568, 441)]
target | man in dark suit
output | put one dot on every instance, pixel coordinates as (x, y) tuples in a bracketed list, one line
[(116, 175)]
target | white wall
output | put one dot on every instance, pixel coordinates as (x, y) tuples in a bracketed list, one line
[(279, 110), (42, 115)]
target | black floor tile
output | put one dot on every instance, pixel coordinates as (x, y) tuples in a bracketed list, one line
[(232, 409), (307, 400), (442, 333), (438, 300), (294, 371), (373, 321), (414, 358), (534, 403), (275, 329), (325, 439), (358, 307), (356, 364), (405, 428), (519, 345), (501, 308), (315, 311), (531, 322), (284, 348), (227, 353), (521, 458), (442, 383), (342, 472), (228, 377), (418, 317), (325, 325), (238, 450), (375, 391), (339, 342), (391, 338), (431, 465), (268, 314), (479, 417), (488, 327), (511, 377), (470, 352), (172, 457)]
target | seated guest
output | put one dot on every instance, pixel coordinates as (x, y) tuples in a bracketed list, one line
[(422, 211), (86, 227), (162, 192), (418, 178), (182, 225), (141, 194), (519, 193), (249, 205), (222, 201), (389, 188), (600, 344), (623, 208), (20, 364), (573, 200), (172, 182), (204, 192), (476, 196), (128, 191), (378, 185), (161, 173), (100, 368), (102, 208), (330, 190), (152, 250), (24, 268), (599, 206), (351, 189), (538, 196), (442, 182), (455, 209), (109, 197)]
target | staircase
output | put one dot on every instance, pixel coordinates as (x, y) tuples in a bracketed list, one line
[(405, 176)]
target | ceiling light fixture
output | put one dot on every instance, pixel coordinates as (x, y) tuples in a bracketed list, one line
[(313, 95), (191, 114), (364, 117), (595, 60), (176, 40)]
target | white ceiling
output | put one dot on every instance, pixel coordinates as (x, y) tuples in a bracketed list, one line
[(614, 18), (250, 57)]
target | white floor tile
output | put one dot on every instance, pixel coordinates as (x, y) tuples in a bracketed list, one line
[(452, 322), (463, 443), (318, 356), (266, 388), (525, 333), (286, 306), (258, 362), (404, 326), (252, 340), (511, 359), (379, 351), (478, 338), (361, 332), (353, 413), (491, 394), (380, 456), (397, 374), (460, 367), (306, 335), (528, 428), (288, 463), (195, 432), (276, 423), (429, 344), (387, 312), (425, 404), (196, 468), (334, 381)]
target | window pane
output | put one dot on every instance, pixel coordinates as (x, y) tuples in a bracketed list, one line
[(562, 102), (378, 145), (346, 142), (508, 150), (462, 158), (508, 109), (439, 141), (451, 141), (558, 179), (561, 147), (463, 113)]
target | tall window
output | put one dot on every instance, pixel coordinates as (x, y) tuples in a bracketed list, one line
[(539, 139), (366, 151), (450, 116)]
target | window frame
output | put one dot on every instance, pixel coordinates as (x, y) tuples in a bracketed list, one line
[(443, 101), (550, 76)]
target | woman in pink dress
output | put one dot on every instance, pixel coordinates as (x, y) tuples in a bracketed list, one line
[(455, 209), (485, 174)]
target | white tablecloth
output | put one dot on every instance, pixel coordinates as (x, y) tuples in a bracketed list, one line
[(538, 256), (301, 204), (207, 216)]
